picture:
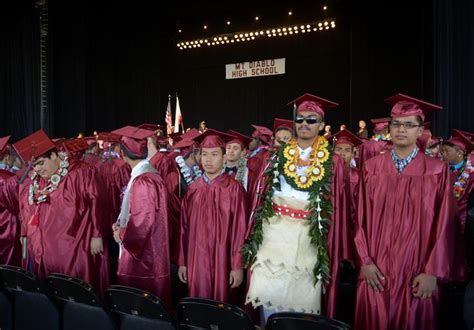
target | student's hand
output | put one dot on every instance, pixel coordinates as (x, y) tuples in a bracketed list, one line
[(424, 286), (116, 231), (183, 274), (235, 278), (373, 276), (97, 245)]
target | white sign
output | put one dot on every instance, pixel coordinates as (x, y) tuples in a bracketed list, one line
[(255, 69)]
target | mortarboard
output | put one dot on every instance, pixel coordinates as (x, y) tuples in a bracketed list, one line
[(134, 139), (404, 105), (212, 138), (280, 123), (33, 146), (380, 123), (150, 127), (238, 138), (346, 137), (4, 144), (461, 141), (262, 133), (312, 103)]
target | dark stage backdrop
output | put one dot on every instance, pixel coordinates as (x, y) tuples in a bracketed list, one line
[(114, 64)]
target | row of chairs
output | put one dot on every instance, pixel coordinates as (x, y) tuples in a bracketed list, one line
[(62, 302)]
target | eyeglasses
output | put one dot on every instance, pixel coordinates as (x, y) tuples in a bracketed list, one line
[(407, 124), (309, 120)]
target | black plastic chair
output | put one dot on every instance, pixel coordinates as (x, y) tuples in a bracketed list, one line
[(134, 309), (80, 306), (32, 307), (6, 322), (196, 313), (302, 321)]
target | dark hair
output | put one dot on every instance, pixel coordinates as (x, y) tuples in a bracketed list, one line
[(419, 120), (48, 154), (131, 155), (283, 128)]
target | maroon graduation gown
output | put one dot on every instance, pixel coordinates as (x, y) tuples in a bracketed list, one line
[(213, 225), (115, 174), (339, 238), (10, 247), (75, 213), (144, 262), (372, 148), (354, 178), (161, 162), (405, 226)]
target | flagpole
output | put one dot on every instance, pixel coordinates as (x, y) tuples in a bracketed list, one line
[(182, 120)]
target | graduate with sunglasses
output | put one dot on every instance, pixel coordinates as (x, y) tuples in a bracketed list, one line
[(300, 230), (405, 229)]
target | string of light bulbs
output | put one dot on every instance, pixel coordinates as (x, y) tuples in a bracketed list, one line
[(239, 37)]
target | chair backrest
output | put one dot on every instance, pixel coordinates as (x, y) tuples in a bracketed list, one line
[(302, 321), (133, 307), (17, 278), (67, 288), (80, 306), (196, 313), (32, 307), (6, 320)]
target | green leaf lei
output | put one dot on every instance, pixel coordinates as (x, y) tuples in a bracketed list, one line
[(319, 205)]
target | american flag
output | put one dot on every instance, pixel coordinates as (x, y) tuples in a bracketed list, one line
[(168, 120)]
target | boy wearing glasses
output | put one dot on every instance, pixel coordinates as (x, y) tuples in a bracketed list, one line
[(405, 231), (300, 232)]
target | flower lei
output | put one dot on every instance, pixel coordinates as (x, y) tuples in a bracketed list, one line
[(317, 184), (190, 174), (381, 137), (316, 170), (462, 179), (38, 196), (241, 169)]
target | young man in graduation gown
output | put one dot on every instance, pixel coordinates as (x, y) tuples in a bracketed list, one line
[(91, 155), (114, 171), (182, 170), (455, 152), (379, 143), (235, 161), (345, 144), (213, 225), (258, 148), (405, 229), (10, 248), (63, 212), (282, 131), (142, 226), (295, 246)]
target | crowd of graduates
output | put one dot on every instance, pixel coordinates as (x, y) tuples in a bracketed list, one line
[(267, 222)]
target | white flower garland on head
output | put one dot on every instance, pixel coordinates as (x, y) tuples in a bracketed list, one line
[(38, 196)]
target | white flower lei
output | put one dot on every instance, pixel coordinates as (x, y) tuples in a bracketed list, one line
[(37, 196)]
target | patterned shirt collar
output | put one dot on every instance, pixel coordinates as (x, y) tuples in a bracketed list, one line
[(207, 179), (400, 164)]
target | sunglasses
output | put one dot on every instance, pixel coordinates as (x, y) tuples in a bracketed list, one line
[(309, 121)]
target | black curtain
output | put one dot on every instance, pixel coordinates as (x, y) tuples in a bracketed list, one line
[(107, 63), (454, 49), (19, 69), (114, 64)]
